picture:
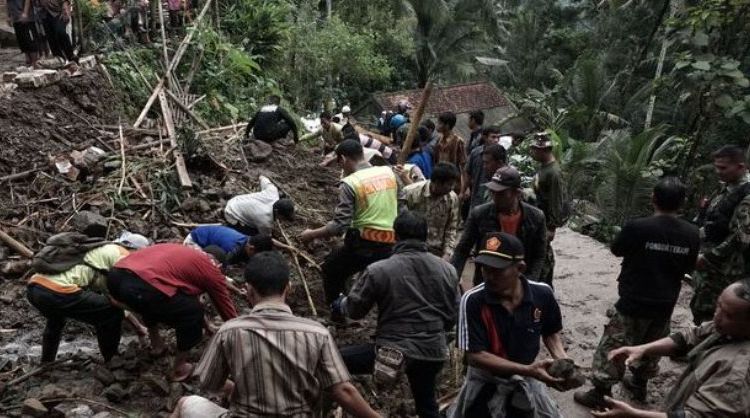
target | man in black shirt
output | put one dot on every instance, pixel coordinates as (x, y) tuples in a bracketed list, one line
[(657, 252), (271, 122)]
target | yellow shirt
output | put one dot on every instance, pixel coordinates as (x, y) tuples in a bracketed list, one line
[(81, 275)]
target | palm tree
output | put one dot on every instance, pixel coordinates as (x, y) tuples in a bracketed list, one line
[(448, 34)]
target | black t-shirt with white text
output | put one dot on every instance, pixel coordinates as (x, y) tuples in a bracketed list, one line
[(657, 252)]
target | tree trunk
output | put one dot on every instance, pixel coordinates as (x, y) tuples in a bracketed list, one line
[(154, 5), (674, 6)]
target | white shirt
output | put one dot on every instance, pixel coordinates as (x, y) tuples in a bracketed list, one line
[(255, 209)]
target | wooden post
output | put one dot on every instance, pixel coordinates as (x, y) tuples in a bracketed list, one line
[(414, 123)]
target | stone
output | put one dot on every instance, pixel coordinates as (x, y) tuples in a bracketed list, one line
[(90, 223), (115, 393), (34, 407), (121, 375), (53, 391), (87, 62), (80, 411), (9, 76), (104, 375), (103, 414), (158, 384), (568, 370), (38, 78)]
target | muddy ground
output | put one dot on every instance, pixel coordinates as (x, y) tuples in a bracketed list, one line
[(153, 204)]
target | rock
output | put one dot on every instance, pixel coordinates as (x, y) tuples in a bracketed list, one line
[(103, 414), (34, 407), (195, 204), (9, 76), (158, 384), (115, 393), (104, 375), (87, 62), (90, 223), (14, 267), (53, 391), (257, 151), (80, 411), (121, 375), (568, 370), (130, 364), (38, 78)]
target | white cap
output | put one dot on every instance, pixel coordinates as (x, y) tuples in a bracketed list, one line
[(346, 109), (133, 241)]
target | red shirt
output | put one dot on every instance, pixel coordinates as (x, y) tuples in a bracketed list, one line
[(173, 267)]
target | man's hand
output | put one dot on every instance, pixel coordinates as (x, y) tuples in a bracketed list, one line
[(700, 262), (627, 354), (538, 370), (403, 174), (616, 409), (307, 236)]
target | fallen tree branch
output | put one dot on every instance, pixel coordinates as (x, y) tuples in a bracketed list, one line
[(18, 176), (223, 128), (299, 270), (15, 245), (414, 124), (297, 251)]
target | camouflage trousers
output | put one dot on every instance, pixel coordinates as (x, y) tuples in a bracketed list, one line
[(548, 268), (707, 286), (620, 331)]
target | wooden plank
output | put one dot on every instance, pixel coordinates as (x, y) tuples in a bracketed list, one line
[(182, 172)]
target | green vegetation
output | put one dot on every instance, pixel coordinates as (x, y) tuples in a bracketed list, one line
[(630, 90)]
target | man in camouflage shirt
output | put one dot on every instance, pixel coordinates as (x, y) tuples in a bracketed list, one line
[(725, 233), (550, 196), (438, 203)]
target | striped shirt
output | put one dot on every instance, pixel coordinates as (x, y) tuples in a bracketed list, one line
[(279, 363)]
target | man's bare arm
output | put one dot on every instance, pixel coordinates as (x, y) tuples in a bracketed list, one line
[(351, 401)]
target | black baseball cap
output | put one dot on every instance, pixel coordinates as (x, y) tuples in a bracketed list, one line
[(504, 178), (500, 250)]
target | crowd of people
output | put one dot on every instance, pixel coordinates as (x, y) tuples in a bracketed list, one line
[(42, 27), (402, 246)]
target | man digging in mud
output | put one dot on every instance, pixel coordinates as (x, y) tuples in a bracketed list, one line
[(79, 292), (500, 325), (716, 382), (416, 294), (272, 122), (238, 247), (254, 213), (162, 283), (368, 205), (657, 252), (280, 364)]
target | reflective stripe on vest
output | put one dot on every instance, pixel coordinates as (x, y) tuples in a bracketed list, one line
[(376, 202)]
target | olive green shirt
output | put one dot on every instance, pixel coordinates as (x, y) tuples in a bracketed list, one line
[(550, 194), (717, 380)]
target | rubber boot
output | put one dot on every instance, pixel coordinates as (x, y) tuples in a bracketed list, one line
[(637, 387), (592, 398)]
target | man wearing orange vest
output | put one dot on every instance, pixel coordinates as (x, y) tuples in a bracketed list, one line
[(368, 205)]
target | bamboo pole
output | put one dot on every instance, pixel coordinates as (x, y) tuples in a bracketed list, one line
[(15, 245), (299, 270), (172, 65), (414, 123)]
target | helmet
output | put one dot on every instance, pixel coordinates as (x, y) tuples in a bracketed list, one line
[(397, 120)]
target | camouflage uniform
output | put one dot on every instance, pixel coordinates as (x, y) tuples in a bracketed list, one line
[(725, 259), (621, 331), (550, 197)]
